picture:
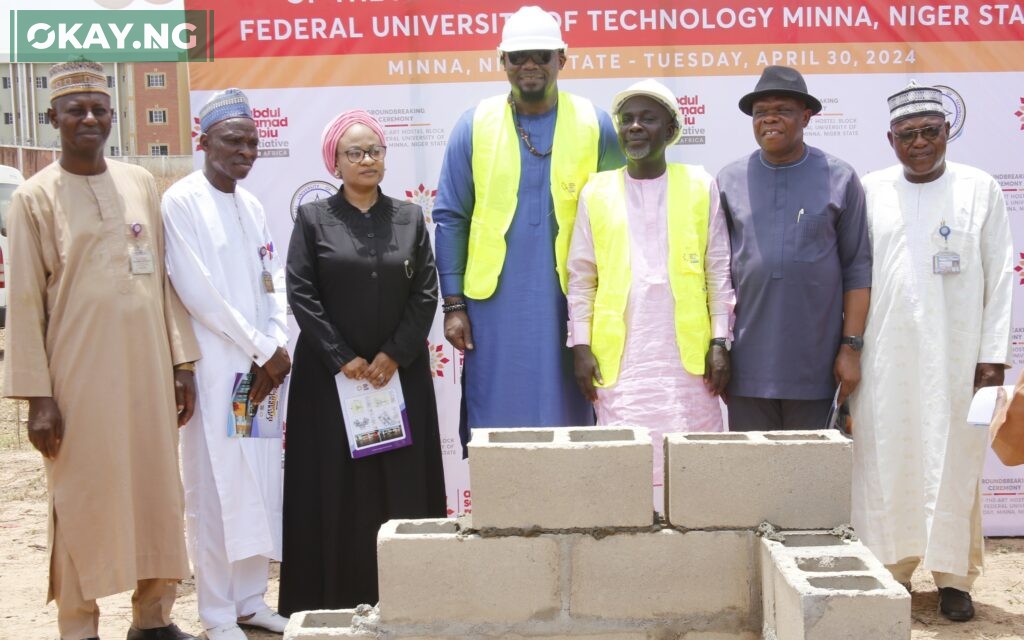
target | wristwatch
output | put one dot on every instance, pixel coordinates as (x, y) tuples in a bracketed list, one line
[(721, 342), (856, 342)]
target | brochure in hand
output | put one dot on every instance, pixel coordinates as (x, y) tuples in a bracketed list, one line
[(250, 420), (375, 419)]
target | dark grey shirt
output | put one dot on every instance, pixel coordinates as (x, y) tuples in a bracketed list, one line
[(799, 241)]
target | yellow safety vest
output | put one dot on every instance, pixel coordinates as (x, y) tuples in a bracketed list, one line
[(687, 203), (496, 169)]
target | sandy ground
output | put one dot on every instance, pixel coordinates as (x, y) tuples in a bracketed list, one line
[(998, 595)]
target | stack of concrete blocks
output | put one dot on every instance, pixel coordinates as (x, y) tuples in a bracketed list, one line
[(815, 585), (563, 543)]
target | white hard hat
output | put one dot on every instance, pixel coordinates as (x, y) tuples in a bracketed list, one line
[(529, 29), (657, 91)]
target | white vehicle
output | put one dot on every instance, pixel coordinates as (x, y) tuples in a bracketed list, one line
[(10, 178)]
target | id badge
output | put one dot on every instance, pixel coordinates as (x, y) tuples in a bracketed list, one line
[(268, 281), (141, 261), (945, 263)]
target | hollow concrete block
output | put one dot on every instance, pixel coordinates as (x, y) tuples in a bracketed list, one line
[(429, 573), (561, 478), (793, 479), (814, 590), (703, 575), (322, 625)]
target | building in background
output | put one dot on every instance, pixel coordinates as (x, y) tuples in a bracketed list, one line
[(150, 100)]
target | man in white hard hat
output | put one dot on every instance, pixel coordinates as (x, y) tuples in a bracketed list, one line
[(512, 174), (650, 316)]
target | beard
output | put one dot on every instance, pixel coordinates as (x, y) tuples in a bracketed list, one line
[(536, 95), (640, 153)]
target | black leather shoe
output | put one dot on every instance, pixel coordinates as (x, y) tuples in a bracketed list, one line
[(170, 632), (955, 604)]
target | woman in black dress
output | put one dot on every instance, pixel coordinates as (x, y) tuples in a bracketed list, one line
[(363, 289)]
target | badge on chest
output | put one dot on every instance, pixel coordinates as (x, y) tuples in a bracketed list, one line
[(140, 257), (945, 262)]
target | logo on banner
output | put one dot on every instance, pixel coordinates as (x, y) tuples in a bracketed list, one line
[(438, 359), (693, 112), (112, 36), (1020, 113), (270, 124), (425, 198), (956, 111), (1020, 268), (197, 131), (311, 192)]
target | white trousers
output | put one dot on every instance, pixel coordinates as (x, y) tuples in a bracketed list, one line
[(225, 590)]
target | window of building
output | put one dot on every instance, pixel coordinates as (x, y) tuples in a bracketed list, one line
[(158, 150), (115, 150), (8, 117), (43, 118), (40, 82), (113, 116), (110, 82), (157, 116), (156, 80), (7, 82)]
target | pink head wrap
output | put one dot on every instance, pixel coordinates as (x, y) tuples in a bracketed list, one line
[(337, 128)]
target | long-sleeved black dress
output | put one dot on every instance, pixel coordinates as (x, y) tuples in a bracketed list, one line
[(358, 284)]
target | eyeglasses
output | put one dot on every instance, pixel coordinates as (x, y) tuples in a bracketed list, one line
[(910, 135), (519, 58), (355, 155)]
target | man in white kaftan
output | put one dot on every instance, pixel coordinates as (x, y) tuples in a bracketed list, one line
[(223, 262), (938, 329)]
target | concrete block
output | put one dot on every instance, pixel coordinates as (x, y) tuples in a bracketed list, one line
[(814, 590), (793, 479), (322, 625), (429, 573), (561, 478), (703, 575)]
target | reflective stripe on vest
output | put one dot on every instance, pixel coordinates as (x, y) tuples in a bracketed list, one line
[(687, 231), (496, 166)]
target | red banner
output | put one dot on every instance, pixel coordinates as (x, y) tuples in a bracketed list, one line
[(278, 28)]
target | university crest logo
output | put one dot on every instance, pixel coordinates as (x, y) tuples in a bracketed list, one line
[(310, 192)]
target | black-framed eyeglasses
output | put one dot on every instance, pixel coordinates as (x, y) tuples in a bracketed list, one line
[(928, 133), (539, 56), (355, 155)]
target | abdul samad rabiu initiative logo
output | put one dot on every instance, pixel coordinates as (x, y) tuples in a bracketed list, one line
[(1020, 113), (1020, 262)]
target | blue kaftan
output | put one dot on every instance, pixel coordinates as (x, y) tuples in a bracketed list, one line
[(520, 372)]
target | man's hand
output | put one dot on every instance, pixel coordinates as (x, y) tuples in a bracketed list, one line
[(586, 370), (45, 426), (184, 395), (278, 366), (355, 369), (457, 330), (846, 371), (261, 385), (381, 369), (717, 369), (988, 375)]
